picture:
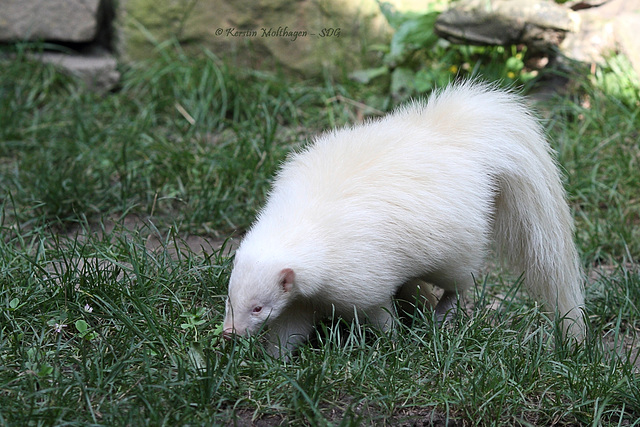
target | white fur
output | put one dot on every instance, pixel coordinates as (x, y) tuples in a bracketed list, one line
[(418, 194)]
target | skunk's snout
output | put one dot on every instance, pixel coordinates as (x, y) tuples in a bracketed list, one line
[(228, 334)]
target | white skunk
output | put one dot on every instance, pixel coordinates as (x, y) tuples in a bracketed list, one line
[(364, 212)]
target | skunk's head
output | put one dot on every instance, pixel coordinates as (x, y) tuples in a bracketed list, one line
[(258, 294)]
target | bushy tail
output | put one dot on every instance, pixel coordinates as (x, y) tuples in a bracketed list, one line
[(533, 226), (534, 234)]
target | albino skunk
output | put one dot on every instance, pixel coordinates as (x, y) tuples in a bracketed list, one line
[(364, 212)]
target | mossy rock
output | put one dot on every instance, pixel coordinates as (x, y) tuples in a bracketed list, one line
[(302, 36)]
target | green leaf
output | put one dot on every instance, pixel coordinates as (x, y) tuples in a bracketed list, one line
[(45, 371), (82, 326), (84, 330), (413, 34), (514, 64), (402, 83), (196, 355), (218, 330), (423, 81), (379, 47), (394, 17), (365, 76)]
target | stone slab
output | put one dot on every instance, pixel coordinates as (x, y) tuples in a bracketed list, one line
[(51, 20), (98, 68)]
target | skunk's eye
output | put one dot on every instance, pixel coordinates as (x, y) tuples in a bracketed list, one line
[(257, 309)]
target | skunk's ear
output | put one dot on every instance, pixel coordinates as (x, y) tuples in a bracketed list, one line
[(287, 277)]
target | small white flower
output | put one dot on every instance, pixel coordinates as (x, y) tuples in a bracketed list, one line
[(58, 327), (88, 308)]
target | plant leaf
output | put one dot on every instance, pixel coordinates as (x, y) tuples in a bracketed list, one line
[(365, 76)]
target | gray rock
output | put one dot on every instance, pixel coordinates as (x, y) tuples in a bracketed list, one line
[(97, 68), (538, 23), (53, 20), (605, 27), (334, 35), (585, 31), (625, 31)]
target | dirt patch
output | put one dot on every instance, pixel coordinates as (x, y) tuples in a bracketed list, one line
[(176, 245), (404, 417), (624, 347), (155, 241), (423, 417), (245, 417)]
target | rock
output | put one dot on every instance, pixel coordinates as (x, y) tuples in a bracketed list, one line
[(85, 23), (333, 35), (97, 68), (625, 33), (606, 26), (594, 38), (538, 23), (585, 31), (52, 20)]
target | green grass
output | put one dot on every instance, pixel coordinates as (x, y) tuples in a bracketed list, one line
[(182, 135), (189, 145)]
